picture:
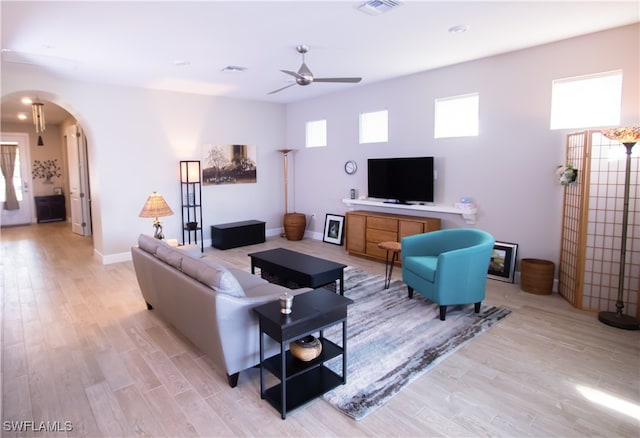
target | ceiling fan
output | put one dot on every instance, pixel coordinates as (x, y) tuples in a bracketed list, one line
[(304, 76)]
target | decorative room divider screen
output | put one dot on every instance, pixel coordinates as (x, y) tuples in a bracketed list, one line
[(592, 226)]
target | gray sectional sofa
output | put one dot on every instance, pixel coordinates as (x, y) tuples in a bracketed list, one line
[(207, 302)]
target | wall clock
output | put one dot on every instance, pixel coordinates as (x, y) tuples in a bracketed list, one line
[(350, 167)]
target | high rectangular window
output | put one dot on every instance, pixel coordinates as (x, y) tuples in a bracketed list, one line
[(586, 101), (316, 135), (456, 116), (374, 127)]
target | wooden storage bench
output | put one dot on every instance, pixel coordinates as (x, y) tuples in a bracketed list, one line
[(235, 234)]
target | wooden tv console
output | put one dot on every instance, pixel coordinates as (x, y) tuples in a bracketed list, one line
[(365, 229)]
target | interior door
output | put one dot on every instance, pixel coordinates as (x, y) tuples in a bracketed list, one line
[(78, 181), (15, 153)]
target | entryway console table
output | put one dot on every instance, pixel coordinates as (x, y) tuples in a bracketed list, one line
[(468, 214), (300, 381), (50, 208)]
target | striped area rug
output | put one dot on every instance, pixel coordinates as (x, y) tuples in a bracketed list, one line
[(392, 340)]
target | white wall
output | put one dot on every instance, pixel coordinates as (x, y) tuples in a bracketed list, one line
[(137, 137), (508, 169)]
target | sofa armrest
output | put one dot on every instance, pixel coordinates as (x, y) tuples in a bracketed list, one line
[(238, 328)]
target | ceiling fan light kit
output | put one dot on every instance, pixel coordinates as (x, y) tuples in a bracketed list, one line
[(304, 76)]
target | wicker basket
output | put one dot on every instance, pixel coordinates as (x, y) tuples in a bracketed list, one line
[(536, 276)]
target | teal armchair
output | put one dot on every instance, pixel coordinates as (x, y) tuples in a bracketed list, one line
[(448, 267)]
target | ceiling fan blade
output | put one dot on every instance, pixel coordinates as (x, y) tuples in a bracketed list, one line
[(292, 73), (348, 80), (280, 89)]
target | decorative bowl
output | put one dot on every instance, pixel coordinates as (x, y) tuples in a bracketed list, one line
[(306, 349), (192, 225)]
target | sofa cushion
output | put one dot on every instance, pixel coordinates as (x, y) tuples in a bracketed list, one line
[(192, 250), (149, 243), (247, 279), (212, 274), (425, 265), (170, 255), (266, 289)]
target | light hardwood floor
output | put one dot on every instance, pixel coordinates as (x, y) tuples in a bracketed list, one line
[(79, 346)]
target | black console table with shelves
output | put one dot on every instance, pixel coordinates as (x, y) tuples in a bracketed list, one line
[(191, 202), (301, 382)]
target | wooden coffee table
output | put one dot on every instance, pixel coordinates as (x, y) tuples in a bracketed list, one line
[(295, 270)]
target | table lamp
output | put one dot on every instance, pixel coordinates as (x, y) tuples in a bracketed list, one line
[(156, 207)]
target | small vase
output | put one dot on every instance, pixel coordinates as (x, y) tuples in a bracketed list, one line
[(306, 349)]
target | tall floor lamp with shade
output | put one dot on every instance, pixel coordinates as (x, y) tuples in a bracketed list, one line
[(294, 223), (628, 136)]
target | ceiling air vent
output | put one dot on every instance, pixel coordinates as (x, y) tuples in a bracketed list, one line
[(377, 7)]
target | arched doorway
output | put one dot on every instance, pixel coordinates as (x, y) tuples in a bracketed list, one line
[(58, 158)]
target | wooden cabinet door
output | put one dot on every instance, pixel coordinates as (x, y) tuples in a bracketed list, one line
[(409, 228), (356, 233)]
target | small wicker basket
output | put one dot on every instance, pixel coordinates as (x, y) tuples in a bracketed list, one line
[(536, 276)]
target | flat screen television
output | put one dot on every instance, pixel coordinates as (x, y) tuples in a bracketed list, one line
[(401, 180)]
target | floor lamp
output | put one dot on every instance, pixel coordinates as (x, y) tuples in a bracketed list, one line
[(294, 223), (285, 153), (628, 136)]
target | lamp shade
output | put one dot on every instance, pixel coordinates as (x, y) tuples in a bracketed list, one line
[(155, 207), (629, 134), (190, 171)]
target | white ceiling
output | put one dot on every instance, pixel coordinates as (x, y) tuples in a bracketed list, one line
[(138, 43)]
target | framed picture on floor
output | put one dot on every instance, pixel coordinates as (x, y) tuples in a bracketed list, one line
[(333, 229), (503, 262)]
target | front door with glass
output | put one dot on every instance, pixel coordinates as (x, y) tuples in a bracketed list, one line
[(16, 199)]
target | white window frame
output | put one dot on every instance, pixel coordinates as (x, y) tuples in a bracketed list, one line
[(586, 101), (374, 127), (457, 116), (316, 133)]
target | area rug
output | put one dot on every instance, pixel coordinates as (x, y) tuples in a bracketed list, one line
[(392, 340)]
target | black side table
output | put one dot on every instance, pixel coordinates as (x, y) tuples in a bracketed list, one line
[(301, 381)]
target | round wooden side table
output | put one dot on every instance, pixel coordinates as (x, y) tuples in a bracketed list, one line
[(394, 248)]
